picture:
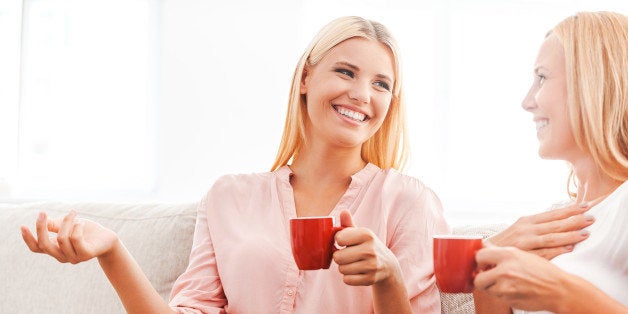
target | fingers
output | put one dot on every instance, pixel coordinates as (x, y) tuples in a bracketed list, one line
[(550, 253), (559, 239), (77, 241), (571, 223), (360, 273), (345, 219), (489, 256), (488, 260), (354, 236), (43, 241), (63, 237), (30, 240), (559, 213), (353, 254), (60, 247)]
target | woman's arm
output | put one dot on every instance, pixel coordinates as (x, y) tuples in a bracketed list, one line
[(134, 289), (81, 240)]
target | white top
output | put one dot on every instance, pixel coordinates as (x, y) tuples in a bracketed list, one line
[(602, 259)]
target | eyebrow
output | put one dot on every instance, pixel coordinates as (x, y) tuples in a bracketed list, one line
[(356, 68), (540, 67)]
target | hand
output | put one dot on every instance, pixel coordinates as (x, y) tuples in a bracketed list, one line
[(523, 280), (365, 260), (547, 234), (77, 240)]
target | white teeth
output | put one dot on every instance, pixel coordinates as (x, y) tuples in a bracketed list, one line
[(541, 123), (351, 114)]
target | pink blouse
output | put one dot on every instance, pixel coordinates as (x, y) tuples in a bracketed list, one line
[(241, 260)]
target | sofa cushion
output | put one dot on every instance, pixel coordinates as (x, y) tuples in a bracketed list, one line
[(159, 236)]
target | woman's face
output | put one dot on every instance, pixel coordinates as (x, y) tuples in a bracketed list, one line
[(547, 101), (348, 92)]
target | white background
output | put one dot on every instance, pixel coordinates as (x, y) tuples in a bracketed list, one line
[(146, 100)]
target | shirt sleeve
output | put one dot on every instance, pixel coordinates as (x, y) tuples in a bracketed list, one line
[(412, 243), (198, 289)]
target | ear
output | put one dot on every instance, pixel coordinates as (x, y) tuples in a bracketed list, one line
[(304, 78)]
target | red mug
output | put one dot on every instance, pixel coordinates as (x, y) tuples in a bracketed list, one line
[(454, 262), (312, 240)]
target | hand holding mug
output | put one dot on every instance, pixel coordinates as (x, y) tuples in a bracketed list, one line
[(524, 280), (365, 260)]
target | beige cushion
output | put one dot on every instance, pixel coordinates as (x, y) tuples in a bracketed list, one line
[(462, 303), (158, 236)]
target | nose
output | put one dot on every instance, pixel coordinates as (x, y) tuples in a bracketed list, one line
[(360, 92), (529, 102)]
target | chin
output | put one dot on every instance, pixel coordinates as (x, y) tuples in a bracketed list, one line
[(545, 154)]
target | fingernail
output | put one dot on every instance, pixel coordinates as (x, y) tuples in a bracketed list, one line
[(589, 218), (584, 232), (569, 247), (584, 205), (41, 216)]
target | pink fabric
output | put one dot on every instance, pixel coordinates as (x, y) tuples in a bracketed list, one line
[(241, 261)]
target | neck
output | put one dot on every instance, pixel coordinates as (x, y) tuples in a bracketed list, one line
[(593, 184), (327, 165)]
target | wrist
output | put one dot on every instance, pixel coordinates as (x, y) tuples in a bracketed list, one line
[(574, 295), (113, 253), (393, 279)]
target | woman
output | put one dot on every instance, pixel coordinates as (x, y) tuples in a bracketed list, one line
[(579, 100), (342, 141)]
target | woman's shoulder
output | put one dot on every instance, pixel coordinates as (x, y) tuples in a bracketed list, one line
[(407, 186), (394, 178)]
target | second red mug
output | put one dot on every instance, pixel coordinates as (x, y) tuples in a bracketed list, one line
[(454, 262)]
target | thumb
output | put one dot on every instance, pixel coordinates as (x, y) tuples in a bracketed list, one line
[(345, 219)]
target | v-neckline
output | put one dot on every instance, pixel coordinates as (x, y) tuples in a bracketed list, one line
[(358, 181)]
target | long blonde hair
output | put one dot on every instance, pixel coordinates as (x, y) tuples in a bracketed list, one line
[(596, 63), (388, 146)]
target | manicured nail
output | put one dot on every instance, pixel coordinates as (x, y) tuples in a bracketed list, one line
[(584, 232), (589, 218), (569, 247), (584, 205), (41, 216)]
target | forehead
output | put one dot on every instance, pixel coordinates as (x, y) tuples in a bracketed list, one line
[(368, 55), (551, 54)]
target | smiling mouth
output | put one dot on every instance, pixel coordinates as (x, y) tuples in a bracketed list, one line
[(353, 115), (541, 124)]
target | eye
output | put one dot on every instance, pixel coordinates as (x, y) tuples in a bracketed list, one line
[(383, 85), (541, 79), (344, 71)]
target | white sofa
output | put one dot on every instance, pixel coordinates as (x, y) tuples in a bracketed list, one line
[(159, 236)]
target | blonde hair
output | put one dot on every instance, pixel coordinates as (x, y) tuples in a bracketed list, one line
[(387, 147), (596, 63)]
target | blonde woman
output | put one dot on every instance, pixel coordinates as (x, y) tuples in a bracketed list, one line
[(343, 141), (579, 102)]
